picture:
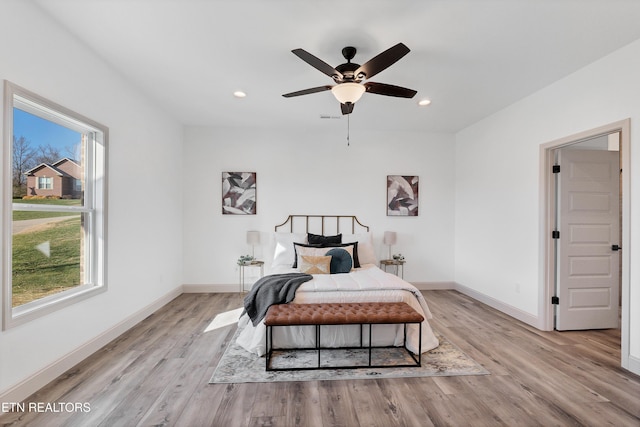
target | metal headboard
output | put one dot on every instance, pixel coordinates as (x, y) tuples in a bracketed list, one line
[(323, 224)]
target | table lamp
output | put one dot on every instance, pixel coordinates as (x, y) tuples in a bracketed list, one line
[(390, 238), (253, 238)]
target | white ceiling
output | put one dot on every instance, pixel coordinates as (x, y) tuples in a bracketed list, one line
[(470, 57)]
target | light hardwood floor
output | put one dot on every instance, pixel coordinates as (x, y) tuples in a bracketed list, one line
[(157, 374)]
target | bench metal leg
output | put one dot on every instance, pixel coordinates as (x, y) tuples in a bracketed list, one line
[(269, 346), (416, 358), (420, 344), (318, 343), (370, 343)]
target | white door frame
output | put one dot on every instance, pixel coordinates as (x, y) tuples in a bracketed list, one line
[(547, 213)]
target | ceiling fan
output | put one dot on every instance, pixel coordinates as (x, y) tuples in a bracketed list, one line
[(349, 76)]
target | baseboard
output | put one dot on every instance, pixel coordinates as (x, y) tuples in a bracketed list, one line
[(208, 289), (47, 374), (510, 310), (634, 365), (434, 286)]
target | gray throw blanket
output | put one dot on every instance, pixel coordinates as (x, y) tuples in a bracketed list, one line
[(269, 290)]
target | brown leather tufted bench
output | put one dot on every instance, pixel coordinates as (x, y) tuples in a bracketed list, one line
[(367, 313)]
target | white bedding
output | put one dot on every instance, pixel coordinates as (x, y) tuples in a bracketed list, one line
[(365, 284)]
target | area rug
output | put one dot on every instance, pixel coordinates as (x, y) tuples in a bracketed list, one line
[(239, 366)]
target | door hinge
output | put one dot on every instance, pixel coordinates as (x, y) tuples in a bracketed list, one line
[(556, 169), (555, 300), (555, 234)]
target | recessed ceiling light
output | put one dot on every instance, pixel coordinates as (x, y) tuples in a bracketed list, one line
[(424, 102), (239, 94)]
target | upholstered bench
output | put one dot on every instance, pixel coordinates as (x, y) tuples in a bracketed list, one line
[(366, 313)]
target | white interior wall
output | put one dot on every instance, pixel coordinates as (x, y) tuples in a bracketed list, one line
[(498, 180), (301, 172), (144, 217)]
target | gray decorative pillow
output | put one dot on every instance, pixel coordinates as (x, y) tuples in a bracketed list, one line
[(341, 261)]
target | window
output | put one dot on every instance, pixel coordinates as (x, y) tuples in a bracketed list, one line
[(45, 183), (54, 206)]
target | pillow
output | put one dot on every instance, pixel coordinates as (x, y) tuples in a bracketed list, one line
[(366, 253), (315, 264), (284, 253), (316, 239), (341, 261), (353, 251), (308, 250)]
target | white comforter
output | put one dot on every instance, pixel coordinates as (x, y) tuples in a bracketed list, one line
[(365, 284)]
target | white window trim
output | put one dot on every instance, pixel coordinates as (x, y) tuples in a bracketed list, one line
[(96, 207), (38, 178)]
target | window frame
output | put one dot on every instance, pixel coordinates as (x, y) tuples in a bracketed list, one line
[(94, 208), (48, 180)]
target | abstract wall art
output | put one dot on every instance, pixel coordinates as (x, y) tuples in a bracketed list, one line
[(239, 193), (402, 195)]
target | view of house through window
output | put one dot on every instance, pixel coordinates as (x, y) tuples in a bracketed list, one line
[(57, 179), (47, 243)]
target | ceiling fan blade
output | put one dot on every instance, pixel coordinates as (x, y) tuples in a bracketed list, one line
[(382, 61), (317, 63), (347, 108), (308, 91), (389, 90)]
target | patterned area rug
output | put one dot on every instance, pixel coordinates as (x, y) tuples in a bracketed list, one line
[(239, 366)]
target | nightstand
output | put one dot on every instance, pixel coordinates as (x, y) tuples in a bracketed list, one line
[(253, 263), (397, 264)]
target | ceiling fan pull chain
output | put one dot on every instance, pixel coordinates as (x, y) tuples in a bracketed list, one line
[(348, 126)]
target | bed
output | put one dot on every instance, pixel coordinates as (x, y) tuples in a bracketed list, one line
[(300, 245)]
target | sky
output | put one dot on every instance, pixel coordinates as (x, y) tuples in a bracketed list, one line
[(42, 132)]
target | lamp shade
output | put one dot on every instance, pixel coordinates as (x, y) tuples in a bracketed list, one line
[(348, 92), (253, 237), (390, 238)]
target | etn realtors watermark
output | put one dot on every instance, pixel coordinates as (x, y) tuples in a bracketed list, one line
[(45, 407)]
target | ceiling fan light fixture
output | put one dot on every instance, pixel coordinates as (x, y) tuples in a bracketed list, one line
[(348, 92), (424, 102)]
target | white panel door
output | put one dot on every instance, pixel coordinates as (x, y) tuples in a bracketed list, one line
[(589, 225)]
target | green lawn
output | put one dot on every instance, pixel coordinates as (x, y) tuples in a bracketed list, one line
[(34, 275)]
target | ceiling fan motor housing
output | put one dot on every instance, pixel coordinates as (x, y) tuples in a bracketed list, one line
[(347, 69)]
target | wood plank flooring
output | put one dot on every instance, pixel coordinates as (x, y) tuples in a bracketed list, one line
[(157, 374)]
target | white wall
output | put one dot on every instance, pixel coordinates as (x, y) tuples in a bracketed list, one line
[(145, 172), (315, 172), (497, 180)]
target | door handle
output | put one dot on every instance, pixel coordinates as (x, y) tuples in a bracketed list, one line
[(615, 248)]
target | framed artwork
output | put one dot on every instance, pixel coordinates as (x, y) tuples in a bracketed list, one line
[(239, 193), (402, 195)]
